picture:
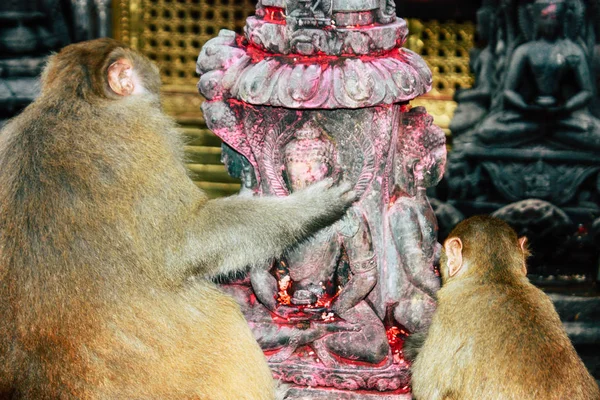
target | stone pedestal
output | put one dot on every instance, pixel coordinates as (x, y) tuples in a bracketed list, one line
[(318, 90)]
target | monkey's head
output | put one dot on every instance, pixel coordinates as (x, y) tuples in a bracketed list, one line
[(100, 69), (484, 246)]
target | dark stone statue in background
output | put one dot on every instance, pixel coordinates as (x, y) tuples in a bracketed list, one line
[(29, 31), (532, 158), (547, 87), (474, 103)]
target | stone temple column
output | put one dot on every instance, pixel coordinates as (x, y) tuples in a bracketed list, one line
[(317, 89)]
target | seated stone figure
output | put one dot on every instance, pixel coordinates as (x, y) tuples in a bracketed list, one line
[(421, 150), (319, 289), (474, 103), (547, 89)]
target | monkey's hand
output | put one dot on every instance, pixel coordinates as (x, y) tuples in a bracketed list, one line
[(228, 234), (327, 201)]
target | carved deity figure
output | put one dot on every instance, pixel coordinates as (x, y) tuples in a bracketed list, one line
[(412, 223), (309, 12), (321, 285), (546, 91), (474, 103)]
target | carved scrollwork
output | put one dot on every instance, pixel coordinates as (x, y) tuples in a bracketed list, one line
[(386, 378), (372, 40), (517, 181), (275, 140), (319, 82)]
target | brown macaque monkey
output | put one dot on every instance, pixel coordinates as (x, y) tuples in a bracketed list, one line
[(100, 232), (494, 335)]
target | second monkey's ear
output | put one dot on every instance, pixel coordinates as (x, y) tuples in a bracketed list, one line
[(120, 77), (453, 248), (525, 250)]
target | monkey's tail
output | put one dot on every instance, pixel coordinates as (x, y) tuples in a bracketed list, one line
[(281, 390)]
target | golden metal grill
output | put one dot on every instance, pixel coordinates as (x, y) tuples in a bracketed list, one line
[(445, 47), (171, 32)]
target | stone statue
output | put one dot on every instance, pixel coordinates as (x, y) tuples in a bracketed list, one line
[(329, 276), (546, 89), (474, 103), (29, 31), (305, 13), (533, 157), (298, 103), (412, 222)]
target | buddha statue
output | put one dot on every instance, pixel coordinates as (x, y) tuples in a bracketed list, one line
[(546, 93), (474, 103), (318, 289)]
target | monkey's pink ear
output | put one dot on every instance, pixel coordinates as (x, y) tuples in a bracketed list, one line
[(120, 77), (453, 248), (523, 244), (525, 250)]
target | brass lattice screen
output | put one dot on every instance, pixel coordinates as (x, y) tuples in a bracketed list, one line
[(171, 32), (445, 47)]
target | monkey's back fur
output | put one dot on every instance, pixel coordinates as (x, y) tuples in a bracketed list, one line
[(495, 336), (100, 230)]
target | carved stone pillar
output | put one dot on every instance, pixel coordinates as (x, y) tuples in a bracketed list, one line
[(318, 89)]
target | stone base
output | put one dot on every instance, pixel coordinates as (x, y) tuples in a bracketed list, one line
[(307, 393)]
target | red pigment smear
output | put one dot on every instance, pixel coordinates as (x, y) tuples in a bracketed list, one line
[(352, 27), (436, 270), (396, 336), (257, 54), (274, 15), (238, 105), (283, 296), (303, 313), (343, 360)]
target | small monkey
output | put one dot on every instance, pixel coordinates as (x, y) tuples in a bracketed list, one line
[(495, 335), (101, 232)]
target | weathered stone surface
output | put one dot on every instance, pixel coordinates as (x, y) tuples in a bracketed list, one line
[(298, 100), (371, 40), (303, 393), (230, 68)]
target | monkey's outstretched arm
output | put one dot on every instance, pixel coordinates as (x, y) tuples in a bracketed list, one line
[(252, 230)]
